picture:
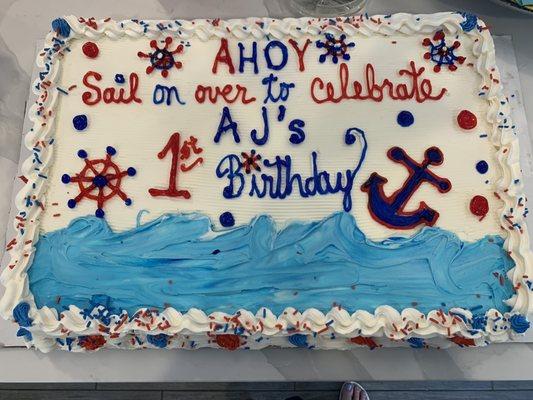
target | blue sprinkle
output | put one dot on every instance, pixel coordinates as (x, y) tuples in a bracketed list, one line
[(80, 122), (482, 167), (61, 27), (226, 219), (405, 119), (62, 91), (119, 78), (479, 322)]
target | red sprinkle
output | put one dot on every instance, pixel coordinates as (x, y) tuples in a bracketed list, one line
[(90, 49), (466, 120)]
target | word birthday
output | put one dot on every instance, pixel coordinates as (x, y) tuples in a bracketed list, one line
[(278, 180)]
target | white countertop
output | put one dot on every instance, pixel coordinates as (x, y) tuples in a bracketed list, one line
[(24, 22)]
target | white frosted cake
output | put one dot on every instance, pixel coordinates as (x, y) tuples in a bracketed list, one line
[(317, 183)]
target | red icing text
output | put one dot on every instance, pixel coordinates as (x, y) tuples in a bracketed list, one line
[(109, 95), (229, 94), (416, 88)]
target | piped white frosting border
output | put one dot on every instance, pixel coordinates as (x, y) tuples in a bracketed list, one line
[(194, 328)]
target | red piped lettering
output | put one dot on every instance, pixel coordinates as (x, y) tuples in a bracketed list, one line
[(300, 52), (110, 94), (228, 93), (223, 56), (418, 89)]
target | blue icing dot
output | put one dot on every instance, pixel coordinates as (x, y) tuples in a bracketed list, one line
[(111, 150), (119, 78), (482, 167), (71, 203), (416, 343), (519, 323), (226, 219), (479, 322), (469, 23), (405, 119), (82, 153), (80, 122), (20, 314), (24, 333), (61, 26), (99, 213), (298, 340), (160, 340)]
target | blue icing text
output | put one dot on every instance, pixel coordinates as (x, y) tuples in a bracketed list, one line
[(178, 261), (282, 180)]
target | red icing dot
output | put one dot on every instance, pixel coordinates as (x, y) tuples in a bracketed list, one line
[(228, 341), (90, 49), (467, 120), (479, 206)]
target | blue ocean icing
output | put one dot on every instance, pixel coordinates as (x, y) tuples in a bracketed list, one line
[(519, 323), (177, 260)]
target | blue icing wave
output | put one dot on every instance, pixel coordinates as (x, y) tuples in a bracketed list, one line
[(178, 261)]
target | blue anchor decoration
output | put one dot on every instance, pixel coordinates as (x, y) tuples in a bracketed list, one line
[(389, 210)]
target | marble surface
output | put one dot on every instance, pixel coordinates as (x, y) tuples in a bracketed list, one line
[(32, 19)]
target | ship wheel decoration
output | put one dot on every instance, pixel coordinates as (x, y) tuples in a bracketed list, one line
[(162, 58), (335, 48), (99, 180), (442, 54)]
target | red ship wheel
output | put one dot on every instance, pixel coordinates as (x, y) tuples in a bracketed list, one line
[(99, 180)]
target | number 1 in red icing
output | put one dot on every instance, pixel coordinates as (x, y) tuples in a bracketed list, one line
[(180, 153)]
